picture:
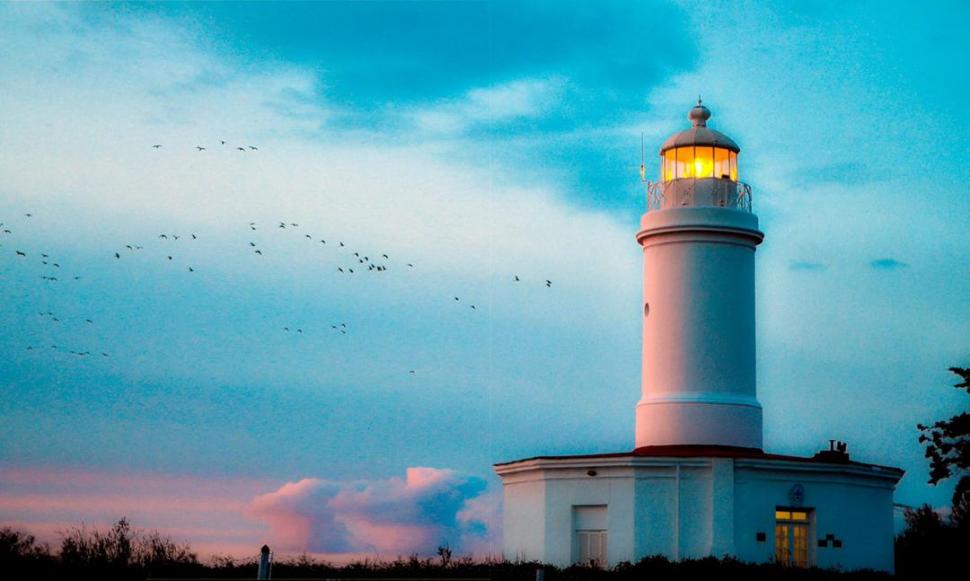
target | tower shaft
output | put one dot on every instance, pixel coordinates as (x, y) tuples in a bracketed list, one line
[(699, 382)]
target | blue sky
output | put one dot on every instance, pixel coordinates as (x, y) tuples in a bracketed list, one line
[(477, 141)]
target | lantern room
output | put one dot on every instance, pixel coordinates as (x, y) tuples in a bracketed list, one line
[(699, 152), (699, 167)]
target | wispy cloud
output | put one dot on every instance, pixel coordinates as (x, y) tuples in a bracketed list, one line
[(428, 508), (492, 106), (807, 265), (887, 264)]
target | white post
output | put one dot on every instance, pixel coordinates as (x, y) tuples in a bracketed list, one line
[(264, 563)]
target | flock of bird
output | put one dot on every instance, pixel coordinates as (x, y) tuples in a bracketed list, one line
[(221, 142), (351, 263)]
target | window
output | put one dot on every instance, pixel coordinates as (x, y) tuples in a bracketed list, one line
[(592, 548), (589, 535), (669, 165), (698, 162), (685, 162), (791, 536), (722, 163), (704, 162)]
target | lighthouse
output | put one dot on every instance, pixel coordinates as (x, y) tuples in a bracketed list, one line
[(698, 481), (699, 237)]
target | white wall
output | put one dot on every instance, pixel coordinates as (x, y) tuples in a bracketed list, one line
[(695, 507), (698, 383), (857, 508)]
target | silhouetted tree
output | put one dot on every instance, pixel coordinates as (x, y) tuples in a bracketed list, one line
[(948, 449), (444, 551)]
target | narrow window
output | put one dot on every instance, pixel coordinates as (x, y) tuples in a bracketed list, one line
[(670, 165), (722, 163), (685, 162), (703, 162)]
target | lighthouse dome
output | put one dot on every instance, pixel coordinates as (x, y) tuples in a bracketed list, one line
[(699, 134), (699, 152)]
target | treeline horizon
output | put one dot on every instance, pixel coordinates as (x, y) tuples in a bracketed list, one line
[(931, 546)]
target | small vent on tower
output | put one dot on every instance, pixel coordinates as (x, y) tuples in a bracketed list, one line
[(646, 309)]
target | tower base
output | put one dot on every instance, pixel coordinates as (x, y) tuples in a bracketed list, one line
[(691, 423)]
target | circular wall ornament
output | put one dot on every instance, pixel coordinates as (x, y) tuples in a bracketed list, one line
[(796, 496)]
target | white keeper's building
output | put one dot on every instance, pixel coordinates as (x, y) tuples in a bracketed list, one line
[(699, 482)]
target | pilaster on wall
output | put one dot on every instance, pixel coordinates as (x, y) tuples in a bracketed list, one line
[(722, 507)]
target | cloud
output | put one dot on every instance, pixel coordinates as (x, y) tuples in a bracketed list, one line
[(492, 106), (806, 265), (887, 264), (208, 512), (428, 508)]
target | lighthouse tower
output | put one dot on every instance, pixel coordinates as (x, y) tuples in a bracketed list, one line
[(698, 482), (699, 237)]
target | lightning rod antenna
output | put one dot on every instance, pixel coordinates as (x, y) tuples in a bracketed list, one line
[(643, 167)]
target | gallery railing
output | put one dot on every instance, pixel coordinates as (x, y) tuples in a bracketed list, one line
[(713, 193)]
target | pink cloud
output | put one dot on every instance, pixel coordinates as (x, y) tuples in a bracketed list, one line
[(416, 514), (207, 512)]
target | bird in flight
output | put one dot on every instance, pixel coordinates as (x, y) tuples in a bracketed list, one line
[(241, 148), (410, 265), (156, 146), (29, 215), (117, 255), (191, 269), (516, 278), (19, 253), (549, 283), (259, 252), (456, 298), (200, 148), (253, 147), (194, 237), (170, 258), (222, 142)]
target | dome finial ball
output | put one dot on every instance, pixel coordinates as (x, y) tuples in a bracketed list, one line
[(699, 114)]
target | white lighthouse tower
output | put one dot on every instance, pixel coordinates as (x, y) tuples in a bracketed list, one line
[(698, 481), (699, 238)]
